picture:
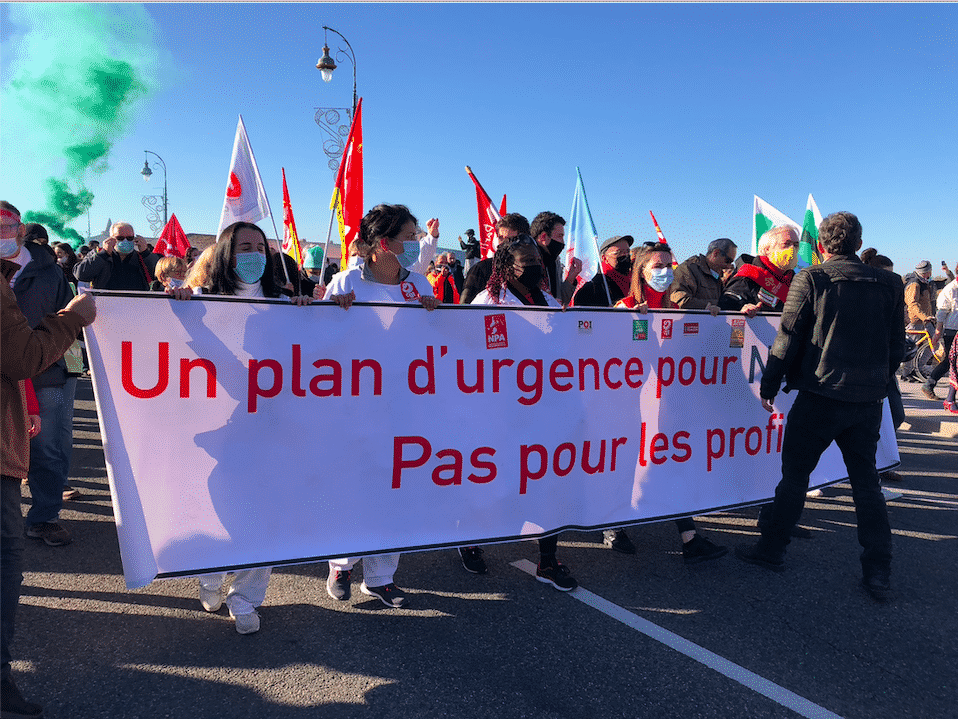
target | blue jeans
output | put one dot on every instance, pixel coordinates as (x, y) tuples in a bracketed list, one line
[(50, 451), (11, 565), (814, 422)]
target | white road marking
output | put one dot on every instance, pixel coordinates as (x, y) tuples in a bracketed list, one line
[(733, 671)]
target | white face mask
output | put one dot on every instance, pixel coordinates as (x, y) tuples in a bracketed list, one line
[(661, 279), (175, 283)]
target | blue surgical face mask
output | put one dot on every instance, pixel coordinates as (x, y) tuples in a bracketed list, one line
[(9, 248), (174, 283), (125, 247), (410, 253), (250, 266), (661, 279)]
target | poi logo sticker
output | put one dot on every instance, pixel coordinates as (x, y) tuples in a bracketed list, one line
[(690, 328), (640, 330), (497, 336), (585, 327), (234, 190), (409, 291), (666, 329)]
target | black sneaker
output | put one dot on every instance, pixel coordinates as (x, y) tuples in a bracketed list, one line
[(557, 575), (390, 594), (929, 391), (618, 541), (337, 584), (699, 549), (50, 532), (753, 555), (472, 560), (14, 705)]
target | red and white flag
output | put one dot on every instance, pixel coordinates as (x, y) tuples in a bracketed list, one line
[(173, 241), (488, 217), (245, 195)]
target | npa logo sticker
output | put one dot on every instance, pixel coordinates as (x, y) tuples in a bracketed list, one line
[(585, 327), (409, 291), (690, 328), (234, 191), (640, 330), (496, 335), (666, 329), (738, 333)]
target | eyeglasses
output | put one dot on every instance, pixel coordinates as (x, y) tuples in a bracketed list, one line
[(10, 230)]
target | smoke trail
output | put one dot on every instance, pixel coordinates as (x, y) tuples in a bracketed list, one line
[(77, 75)]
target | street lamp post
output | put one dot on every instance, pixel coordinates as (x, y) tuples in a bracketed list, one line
[(329, 118), (150, 201)]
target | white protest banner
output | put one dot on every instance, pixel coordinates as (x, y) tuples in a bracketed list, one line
[(242, 433)]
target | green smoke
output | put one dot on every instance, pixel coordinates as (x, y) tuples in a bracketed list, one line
[(70, 97)]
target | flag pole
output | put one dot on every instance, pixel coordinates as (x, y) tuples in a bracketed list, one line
[(329, 232)]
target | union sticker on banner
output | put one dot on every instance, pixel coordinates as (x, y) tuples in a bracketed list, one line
[(666, 329), (738, 333), (640, 329), (496, 335), (690, 328)]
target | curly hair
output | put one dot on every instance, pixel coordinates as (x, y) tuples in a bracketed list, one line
[(167, 265), (223, 279), (503, 261), (381, 221), (545, 222), (643, 258), (840, 234)]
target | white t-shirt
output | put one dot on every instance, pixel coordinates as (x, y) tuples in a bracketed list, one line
[(506, 297), (410, 289)]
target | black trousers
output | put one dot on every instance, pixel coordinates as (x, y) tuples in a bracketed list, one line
[(813, 423)]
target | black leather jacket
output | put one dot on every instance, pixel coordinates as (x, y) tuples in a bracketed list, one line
[(841, 334)]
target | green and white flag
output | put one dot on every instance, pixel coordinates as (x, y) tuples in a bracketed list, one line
[(767, 217), (809, 252)]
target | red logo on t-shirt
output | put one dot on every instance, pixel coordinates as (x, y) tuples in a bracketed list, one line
[(409, 291), (496, 334), (234, 190), (666, 329)]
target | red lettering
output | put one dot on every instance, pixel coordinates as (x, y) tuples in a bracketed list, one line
[(455, 467), (335, 378), (255, 390), (186, 366), (714, 453), (633, 371), (399, 464), (660, 443), (162, 371), (614, 362), (490, 467), (525, 473), (358, 366), (536, 387), (556, 374), (586, 466), (556, 467), (681, 445)]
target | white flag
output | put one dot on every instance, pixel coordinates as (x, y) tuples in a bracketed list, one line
[(766, 217), (245, 195)]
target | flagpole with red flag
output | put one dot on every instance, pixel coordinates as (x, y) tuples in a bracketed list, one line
[(291, 244), (347, 200), (172, 242), (488, 217)]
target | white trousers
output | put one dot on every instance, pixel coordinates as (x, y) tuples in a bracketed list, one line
[(378, 571), (247, 591)]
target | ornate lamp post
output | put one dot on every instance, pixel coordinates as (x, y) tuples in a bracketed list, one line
[(150, 202), (330, 119)]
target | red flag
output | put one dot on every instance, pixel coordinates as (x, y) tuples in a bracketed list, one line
[(172, 241), (488, 217), (348, 193), (291, 244), (502, 207), (658, 230)]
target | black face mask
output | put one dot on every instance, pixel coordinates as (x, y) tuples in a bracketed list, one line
[(624, 265), (555, 248), (531, 277)]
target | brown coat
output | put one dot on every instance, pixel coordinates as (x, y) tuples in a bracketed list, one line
[(694, 287), (24, 353)]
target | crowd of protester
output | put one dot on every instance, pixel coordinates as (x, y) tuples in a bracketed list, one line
[(394, 260)]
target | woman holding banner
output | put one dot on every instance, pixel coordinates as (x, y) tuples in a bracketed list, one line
[(519, 278), (239, 264), (651, 278), (386, 233)]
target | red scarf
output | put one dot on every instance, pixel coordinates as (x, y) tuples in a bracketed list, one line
[(656, 300), (622, 281), (769, 278)]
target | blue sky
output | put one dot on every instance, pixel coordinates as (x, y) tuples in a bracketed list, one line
[(685, 110)]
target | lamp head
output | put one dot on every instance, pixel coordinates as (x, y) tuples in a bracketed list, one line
[(146, 171), (326, 65)]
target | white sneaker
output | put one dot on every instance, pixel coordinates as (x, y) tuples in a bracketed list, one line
[(211, 599), (247, 623)]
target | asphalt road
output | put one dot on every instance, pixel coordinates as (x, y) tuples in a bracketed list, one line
[(722, 640)]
